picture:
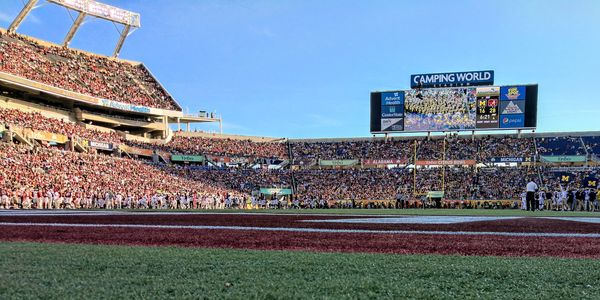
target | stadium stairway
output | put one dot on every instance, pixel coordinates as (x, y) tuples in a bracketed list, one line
[(587, 153)]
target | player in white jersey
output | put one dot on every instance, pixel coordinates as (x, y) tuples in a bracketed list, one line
[(4, 201), (541, 198), (556, 200), (586, 200)]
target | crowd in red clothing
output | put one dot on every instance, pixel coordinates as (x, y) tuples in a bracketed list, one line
[(63, 179), (36, 121), (83, 73), (227, 147)]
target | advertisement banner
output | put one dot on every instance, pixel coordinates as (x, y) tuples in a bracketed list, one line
[(49, 137), (563, 158), (512, 121), (452, 79), (392, 98), (512, 107), (393, 124), (394, 111), (435, 194), (340, 162), (136, 151), (278, 191), (458, 162), (508, 93), (124, 106), (101, 145), (374, 162), (187, 158), (510, 159)]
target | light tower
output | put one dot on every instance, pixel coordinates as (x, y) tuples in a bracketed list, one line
[(86, 8)]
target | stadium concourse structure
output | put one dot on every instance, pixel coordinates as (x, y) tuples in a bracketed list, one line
[(82, 130)]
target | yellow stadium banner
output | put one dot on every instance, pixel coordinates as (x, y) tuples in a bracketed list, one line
[(49, 137)]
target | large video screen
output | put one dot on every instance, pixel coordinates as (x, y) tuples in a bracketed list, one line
[(454, 109)]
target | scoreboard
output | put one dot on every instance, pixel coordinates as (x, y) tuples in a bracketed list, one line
[(455, 109)]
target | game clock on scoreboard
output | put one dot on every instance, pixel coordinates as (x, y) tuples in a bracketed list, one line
[(488, 100)]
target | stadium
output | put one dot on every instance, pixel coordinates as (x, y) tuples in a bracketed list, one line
[(109, 190)]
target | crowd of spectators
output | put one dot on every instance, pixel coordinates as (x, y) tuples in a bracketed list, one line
[(348, 184), (560, 146), (239, 179), (82, 73), (440, 109), (37, 121), (56, 179), (505, 146), (592, 144), (226, 147), (372, 149), (456, 148), (501, 183)]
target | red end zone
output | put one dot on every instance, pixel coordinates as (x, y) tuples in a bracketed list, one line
[(498, 236)]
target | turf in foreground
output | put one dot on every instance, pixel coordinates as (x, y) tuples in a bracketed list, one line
[(30, 270)]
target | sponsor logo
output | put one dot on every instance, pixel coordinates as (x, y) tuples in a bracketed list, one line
[(512, 121), (394, 124), (513, 93), (452, 79), (392, 98), (512, 107), (508, 93), (124, 106)]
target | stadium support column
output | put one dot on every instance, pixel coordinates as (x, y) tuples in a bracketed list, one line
[(22, 15), (73, 30), (415, 170), (444, 166), (166, 126), (124, 35)]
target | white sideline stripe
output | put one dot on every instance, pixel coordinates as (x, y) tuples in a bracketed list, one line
[(579, 219), (310, 230), (416, 220)]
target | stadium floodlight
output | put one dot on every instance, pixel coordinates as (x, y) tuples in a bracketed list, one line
[(84, 8)]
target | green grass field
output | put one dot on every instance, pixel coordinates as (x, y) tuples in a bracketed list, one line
[(54, 271)]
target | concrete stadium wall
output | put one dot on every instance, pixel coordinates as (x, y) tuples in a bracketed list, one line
[(258, 139)]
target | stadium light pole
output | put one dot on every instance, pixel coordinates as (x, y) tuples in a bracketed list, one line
[(124, 35), (76, 24), (22, 15)]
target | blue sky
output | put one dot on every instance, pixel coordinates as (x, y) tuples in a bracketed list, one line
[(305, 68)]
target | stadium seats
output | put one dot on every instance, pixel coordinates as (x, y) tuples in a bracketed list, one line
[(36, 121), (560, 146), (82, 73)]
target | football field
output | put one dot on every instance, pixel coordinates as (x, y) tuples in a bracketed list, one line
[(378, 254)]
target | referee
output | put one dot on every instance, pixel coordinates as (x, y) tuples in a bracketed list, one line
[(531, 189)]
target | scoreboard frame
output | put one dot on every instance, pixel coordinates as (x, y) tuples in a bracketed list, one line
[(530, 114)]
